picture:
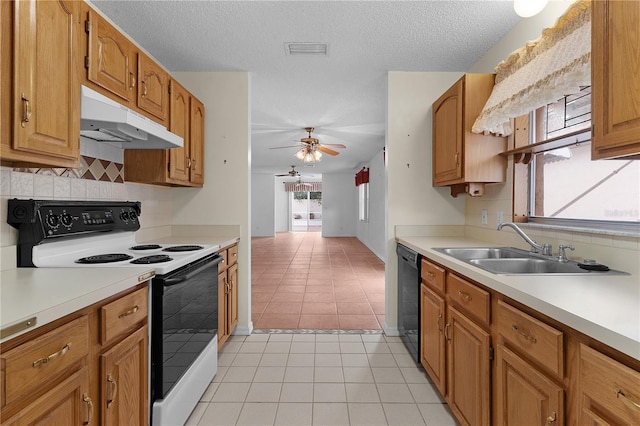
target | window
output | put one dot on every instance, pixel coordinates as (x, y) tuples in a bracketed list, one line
[(363, 202), (564, 183)]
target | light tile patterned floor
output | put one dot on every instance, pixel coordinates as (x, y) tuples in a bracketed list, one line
[(319, 379), (303, 280)]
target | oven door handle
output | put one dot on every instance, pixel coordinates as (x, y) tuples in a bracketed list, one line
[(168, 282)]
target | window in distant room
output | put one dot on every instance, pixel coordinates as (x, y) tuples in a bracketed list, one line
[(363, 202), (564, 183)]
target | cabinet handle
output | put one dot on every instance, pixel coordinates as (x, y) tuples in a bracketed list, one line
[(26, 111), (132, 81), (193, 164), (188, 162), (144, 88), (129, 312), (431, 275), (114, 390), (53, 356), (89, 403), (516, 330), (439, 326), (629, 403), (457, 159), (552, 418), (446, 332), (226, 285), (467, 297)]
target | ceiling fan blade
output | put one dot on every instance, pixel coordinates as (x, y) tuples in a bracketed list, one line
[(288, 146), (326, 150), (286, 174), (333, 145)]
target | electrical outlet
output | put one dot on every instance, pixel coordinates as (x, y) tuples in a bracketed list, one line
[(484, 217), (500, 216)]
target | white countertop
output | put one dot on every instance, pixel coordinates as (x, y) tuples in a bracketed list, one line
[(221, 242), (51, 293), (604, 307)]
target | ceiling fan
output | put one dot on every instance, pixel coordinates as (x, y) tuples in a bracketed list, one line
[(293, 172), (310, 144)]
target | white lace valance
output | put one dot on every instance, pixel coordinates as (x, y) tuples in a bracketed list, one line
[(541, 72), (303, 187)]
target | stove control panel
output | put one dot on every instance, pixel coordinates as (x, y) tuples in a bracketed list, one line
[(51, 218)]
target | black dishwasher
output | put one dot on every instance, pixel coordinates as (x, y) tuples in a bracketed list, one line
[(409, 299)]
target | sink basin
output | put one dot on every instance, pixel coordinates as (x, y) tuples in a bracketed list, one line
[(467, 253), (527, 266), (514, 261)]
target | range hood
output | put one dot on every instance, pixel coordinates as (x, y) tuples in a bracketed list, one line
[(105, 120)]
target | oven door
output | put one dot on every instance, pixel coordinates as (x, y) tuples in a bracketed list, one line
[(184, 320)]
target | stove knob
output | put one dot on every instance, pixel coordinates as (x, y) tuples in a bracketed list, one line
[(66, 220), (132, 215), (124, 216), (53, 220)]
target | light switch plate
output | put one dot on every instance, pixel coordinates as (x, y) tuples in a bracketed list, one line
[(500, 216), (484, 217)]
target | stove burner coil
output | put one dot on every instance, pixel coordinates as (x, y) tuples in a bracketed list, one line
[(158, 258), (183, 248), (105, 258), (146, 247)]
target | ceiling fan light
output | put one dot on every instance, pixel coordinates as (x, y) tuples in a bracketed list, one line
[(527, 8), (300, 154)]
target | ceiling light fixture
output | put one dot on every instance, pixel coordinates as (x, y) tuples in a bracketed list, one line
[(308, 155), (528, 8)]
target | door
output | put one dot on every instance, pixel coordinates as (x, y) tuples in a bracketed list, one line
[(179, 124), (447, 135), (306, 211), (433, 347)]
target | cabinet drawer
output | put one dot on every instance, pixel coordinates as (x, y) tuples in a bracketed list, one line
[(232, 255), (33, 364), (120, 315), (533, 337), (469, 297), (222, 266), (605, 382), (432, 275)]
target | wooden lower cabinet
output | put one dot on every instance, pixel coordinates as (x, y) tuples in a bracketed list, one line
[(525, 395), (123, 371), (468, 369), (227, 294), (432, 341), (542, 372), (61, 373)]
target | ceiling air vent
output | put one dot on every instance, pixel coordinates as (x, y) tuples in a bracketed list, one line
[(292, 49)]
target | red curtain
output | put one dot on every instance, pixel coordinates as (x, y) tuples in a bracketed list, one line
[(362, 177)]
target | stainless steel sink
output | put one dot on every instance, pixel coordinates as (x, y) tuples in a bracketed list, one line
[(514, 261), (528, 266), (465, 253)]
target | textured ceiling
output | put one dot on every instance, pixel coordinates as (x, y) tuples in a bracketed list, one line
[(343, 94)]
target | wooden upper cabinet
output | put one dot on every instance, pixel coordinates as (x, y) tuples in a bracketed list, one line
[(45, 116), (153, 88), (462, 158), (197, 142), (615, 83), (111, 58), (180, 125)]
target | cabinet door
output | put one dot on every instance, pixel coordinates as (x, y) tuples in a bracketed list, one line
[(124, 381), (232, 305), (111, 58), (525, 396), (153, 88), (447, 135), (614, 74), (66, 404), (432, 351), (223, 335), (179, 124), (469, 385), (46, 116), (196, 146)]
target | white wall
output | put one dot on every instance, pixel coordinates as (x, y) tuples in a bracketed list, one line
[(339, 205), (372, 232), (282, 206), (225, 198), (263, 210)]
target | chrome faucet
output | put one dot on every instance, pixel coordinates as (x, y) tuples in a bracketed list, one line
[(562, 256), (545, 249)]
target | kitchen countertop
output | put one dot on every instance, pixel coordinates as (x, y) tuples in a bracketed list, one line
[(51, 293), (604, 307)]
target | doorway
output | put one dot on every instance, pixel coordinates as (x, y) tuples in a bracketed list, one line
[(306, 211)]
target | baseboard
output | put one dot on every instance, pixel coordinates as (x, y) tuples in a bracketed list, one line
[(391, 331), (243, 331)]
